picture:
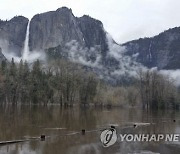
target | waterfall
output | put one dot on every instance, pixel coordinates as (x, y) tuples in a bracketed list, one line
[(26, 44)]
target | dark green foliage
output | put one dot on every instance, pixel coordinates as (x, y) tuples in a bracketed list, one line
[(3, 66), (61, 82)]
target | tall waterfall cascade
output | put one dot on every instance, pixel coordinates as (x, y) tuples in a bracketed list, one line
[(26, 52)]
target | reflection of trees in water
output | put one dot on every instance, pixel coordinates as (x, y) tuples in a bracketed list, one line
[(162, 121), (87, 118), (20, 148), (16, 122), (86, 149)]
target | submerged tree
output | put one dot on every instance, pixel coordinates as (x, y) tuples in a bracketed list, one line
[(157, 90), (66, 83), (61, 83)]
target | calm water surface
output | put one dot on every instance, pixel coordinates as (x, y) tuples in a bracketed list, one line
[(62, 127)]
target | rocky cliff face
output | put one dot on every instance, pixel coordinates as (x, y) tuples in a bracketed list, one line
[(2, 57), (12, 34), (162, 51), (57, 28), (93, 32), (54, 28), (62, 35)]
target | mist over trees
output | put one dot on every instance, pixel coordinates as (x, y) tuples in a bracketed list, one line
[(61, 83), (67, 84), (157, 91)]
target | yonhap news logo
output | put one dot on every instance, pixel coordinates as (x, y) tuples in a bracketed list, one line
[(108, 137)]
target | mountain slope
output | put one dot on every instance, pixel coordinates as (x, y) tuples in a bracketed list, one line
[(63, 34), (162, 51), (60, 27), (53, 28), (12, 34), (2, 57), (83, 40)]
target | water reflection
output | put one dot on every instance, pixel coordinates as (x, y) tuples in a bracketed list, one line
[(32, 121)]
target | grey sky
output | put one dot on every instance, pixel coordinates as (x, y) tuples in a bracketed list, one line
[(123, 19)]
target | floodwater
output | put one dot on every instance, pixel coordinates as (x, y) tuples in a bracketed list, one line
[(62, 128)]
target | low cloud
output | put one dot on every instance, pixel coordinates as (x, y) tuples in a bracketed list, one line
[(34, 55), (124, 64), (174, 74), (127, 64), (30, 57), (88, 57)]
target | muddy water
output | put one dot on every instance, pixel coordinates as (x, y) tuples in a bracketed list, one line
[(63, 130)]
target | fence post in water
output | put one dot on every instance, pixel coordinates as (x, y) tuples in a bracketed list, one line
[(83, 131), (112, 126), (43, 137)]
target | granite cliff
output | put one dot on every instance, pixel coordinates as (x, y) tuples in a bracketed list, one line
[(12, 34), (161, 51), (83, 39)]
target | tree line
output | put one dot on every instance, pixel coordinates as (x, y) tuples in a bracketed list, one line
[(157, 91), (65, 83), (59, 82)]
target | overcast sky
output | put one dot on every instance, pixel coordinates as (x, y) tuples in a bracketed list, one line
[(125, 20)]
